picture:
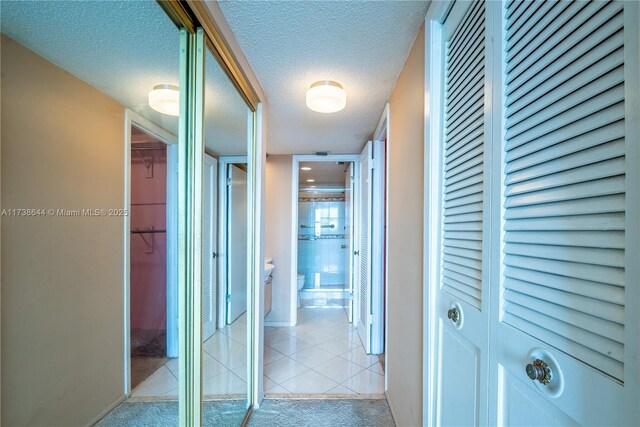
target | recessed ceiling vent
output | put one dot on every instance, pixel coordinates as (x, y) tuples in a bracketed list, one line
[(322, 153)]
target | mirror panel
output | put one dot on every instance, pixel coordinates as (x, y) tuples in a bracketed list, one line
[(225, 286)]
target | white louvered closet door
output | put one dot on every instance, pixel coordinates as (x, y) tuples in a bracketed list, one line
[(364, 247), (461, 296), (209, 240), (568, 205)]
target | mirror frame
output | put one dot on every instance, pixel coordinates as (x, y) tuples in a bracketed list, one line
[(198, 31)]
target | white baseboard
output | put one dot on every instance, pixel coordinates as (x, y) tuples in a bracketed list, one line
[(106, 411), (277, 324)]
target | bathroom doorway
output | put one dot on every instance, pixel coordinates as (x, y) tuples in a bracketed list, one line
[(324, 235)]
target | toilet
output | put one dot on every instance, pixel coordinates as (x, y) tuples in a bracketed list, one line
[(300, 286)]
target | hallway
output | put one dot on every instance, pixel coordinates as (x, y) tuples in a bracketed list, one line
[(323, 354)]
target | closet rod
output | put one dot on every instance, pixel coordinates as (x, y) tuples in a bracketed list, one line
[(136, 231)]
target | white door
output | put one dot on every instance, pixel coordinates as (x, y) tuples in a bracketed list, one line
[(209, 250), (237, 243), (569, 283), (461, 294), (377, 263), (370, 275), (348, 232), (364, 247)]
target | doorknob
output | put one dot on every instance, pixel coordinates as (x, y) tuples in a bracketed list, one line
[(343, 246), (453, 314), (539, 370), (214, 255), (356, 252)]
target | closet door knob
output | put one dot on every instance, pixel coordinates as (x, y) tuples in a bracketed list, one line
[(453, 314), (539, 370)]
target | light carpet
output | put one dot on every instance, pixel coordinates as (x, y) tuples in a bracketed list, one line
[(272, 412)]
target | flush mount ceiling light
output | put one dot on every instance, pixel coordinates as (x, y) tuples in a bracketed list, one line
[(305, 168), (311, 180), (165, 99), (326, 96)]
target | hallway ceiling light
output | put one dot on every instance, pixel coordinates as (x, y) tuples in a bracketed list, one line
[(326, 96), (305, 168), (311, 180), (165, 99)]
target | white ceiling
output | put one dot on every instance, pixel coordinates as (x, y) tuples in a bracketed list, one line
[(322, 173), (123, 48), (291, 44)]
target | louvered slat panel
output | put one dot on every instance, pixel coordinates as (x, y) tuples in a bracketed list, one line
[(464, 159), (583, 304), (466, 262), (464, 253), (584, 238), (593, 105), (534, 14), (611, 153), (579, 286), (591, 256), (364, 240), (533, 154), (613, 222), (470, 149), (568, 315), (604, 204), (467, 217), (580, 128), (571, 38), (609, 169), (552, 19), (549, 105), (564, 82), (518, 11), (467, 182), (457, 194), (564, 250), (207, 250)]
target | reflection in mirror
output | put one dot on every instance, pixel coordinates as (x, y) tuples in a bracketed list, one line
[(225, 286), (89, 299)]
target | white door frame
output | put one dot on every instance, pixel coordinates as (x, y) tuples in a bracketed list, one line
[(381, 135), (223, 162), (434, 89), (133, 119), (295, 166)]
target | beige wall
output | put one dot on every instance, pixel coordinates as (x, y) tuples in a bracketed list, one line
[(405, 198), (62, 305), (278, 233)]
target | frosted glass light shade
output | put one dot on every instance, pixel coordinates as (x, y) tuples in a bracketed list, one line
[(326, 96), (165, 99)]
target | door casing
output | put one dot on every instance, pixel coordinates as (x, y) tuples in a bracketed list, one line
[(295, 166), (133, 119)]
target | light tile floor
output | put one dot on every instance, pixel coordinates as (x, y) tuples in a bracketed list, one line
[(224, 367), (323, 354)]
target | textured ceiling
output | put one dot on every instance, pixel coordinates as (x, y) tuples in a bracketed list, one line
[(124, 48), (291, 44), (322, 173)]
